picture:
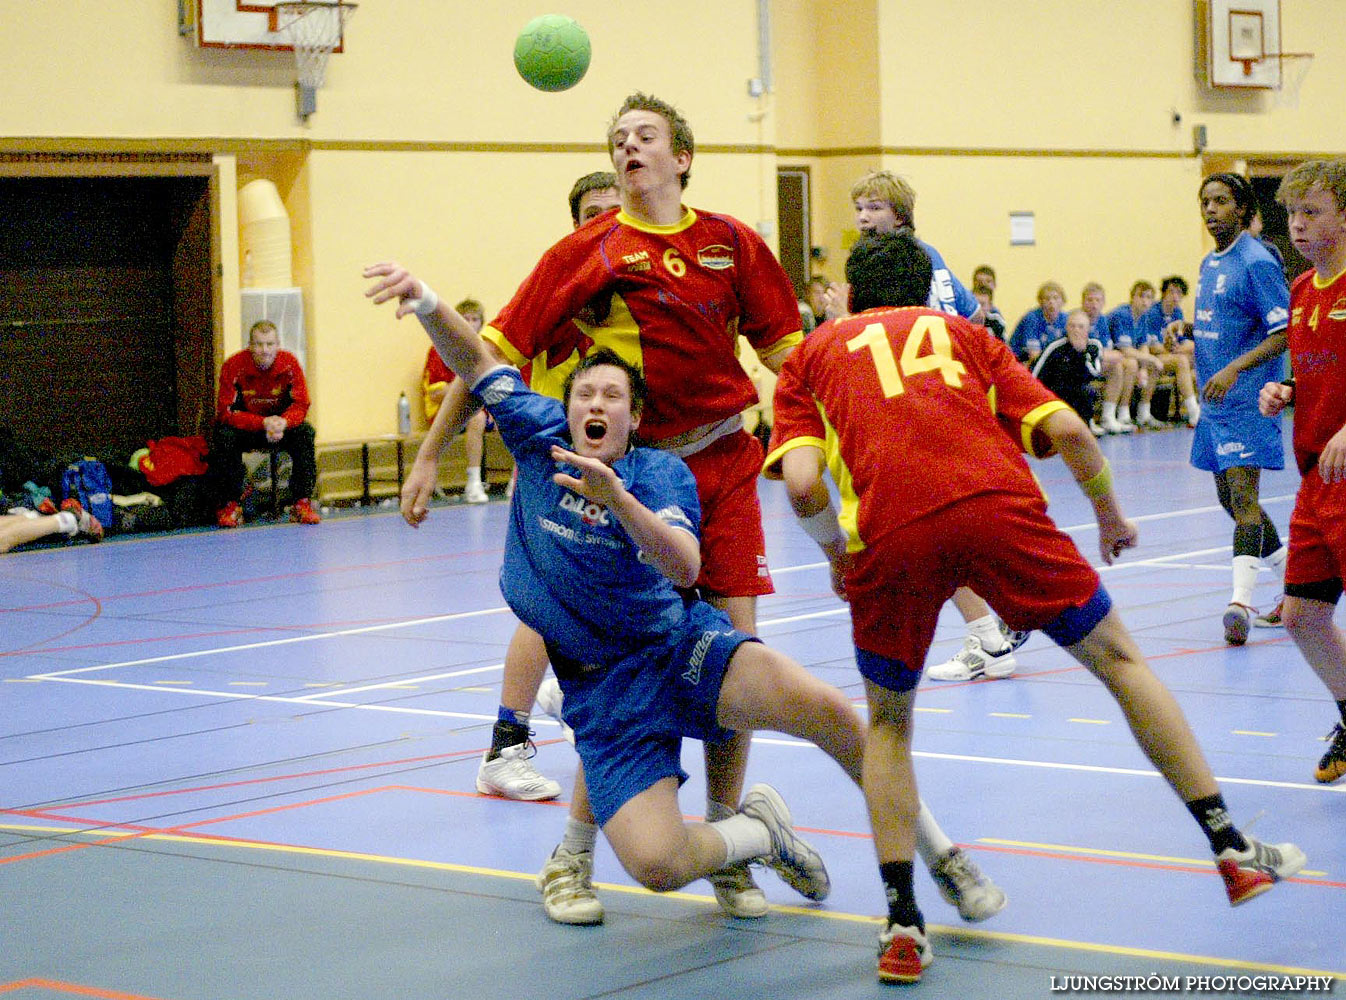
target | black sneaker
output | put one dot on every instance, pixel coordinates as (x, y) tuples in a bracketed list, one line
[(1333, 764), (1015, 639)]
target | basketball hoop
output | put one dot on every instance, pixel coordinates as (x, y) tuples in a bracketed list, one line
[(314, 29), (1294, 67)]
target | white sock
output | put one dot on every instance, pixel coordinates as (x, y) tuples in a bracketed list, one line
[(1245, 578), (744, 838), (580, 837), (69, 523), (986, 630), (931, 842), (1109, 412), (474, 477), (1277, 561), (1192, 407), (24, 512), (1142, 412)]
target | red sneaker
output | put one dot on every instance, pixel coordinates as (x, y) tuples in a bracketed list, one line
[(46, 506), (88, 525), (303, 512), (230, 515), (904, 953)]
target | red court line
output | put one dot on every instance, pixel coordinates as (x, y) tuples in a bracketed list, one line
[(75, 988), (292, 777)]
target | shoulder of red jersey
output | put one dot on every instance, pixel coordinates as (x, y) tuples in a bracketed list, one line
[(1302, 280)]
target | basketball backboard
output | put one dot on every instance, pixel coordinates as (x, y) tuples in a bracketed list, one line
[(1243, 44), (234, 24)]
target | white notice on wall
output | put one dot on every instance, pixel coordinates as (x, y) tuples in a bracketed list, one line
[(1023, 232)]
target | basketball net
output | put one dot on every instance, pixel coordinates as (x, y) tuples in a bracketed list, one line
[(314, 29), (1294, 67)]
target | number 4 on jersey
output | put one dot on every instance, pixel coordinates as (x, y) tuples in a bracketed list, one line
[(938, 359)]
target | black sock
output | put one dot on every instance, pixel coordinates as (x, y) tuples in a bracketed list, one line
[(506, 734), (897, 887), (1220, 830), (1341, 707)]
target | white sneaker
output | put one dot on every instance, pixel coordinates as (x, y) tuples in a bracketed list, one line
[(1127, 426), (1096, 429), (1111, 426), (793, 858), (972, 661), (1248, 874), (736, 892), (511, 776), (1237, 621), (1015, 639), (962, 884), (475, 493), (549, 700), (1193, 415), (1150, 424), (567, 886)]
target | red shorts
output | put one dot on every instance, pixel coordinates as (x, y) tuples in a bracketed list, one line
[(1317, 531), (1003, 546), (733, 547)]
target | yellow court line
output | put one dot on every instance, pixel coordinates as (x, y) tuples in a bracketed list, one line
[(1251, 732), (1128, 855), (935, 711), (1093, 722), (1008, 715), (938, 929)]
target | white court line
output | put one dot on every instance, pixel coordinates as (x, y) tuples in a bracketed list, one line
[(347, 692), (55, 674), (1301, 786)]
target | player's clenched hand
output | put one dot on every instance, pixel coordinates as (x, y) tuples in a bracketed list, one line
[(836, 301), (1274, 397), (394, 282), (839, 562), (597, 482), (1332, 459), (416, 491), (1114, 535)]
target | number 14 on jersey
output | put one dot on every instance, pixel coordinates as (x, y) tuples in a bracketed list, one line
[(891, 371)]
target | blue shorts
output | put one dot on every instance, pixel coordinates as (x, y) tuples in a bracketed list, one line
[(630, 718), (1226, 438)]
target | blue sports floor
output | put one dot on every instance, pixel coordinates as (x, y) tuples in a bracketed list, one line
[(240, 765)]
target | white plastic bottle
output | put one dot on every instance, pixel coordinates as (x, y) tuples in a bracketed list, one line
[(403, 414)]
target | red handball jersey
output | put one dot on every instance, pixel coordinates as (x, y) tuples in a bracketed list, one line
[(675, 298), (435, 373), (247, 394), (926, 409), (1317, 349)]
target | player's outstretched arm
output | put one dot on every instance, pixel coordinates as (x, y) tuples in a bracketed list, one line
[(462, 349), (673, 551), (802, 470), (1075, 443)]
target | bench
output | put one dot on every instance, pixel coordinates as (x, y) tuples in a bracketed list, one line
[(374, 467)]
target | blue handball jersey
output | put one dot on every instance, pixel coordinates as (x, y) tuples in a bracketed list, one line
[(1241, 299), (947, 293), (571, 572)]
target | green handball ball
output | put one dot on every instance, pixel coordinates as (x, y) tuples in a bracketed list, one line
[(552, 52)]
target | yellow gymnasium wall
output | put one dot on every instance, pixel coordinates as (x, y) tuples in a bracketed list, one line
[(427, 146)]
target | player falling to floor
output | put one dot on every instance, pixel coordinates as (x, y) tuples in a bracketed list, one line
[(673, 284), (1314, 194), (1239, 332), (947, 500), (602, 545)]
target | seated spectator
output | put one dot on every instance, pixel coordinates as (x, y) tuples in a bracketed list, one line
[(435, 381), (1119, 371), (815, 299), (1122, 332), (985, 275), (991, 314), (1068, 366), (1165, 334), (262, 403), (19, 525), (1040, 326)]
